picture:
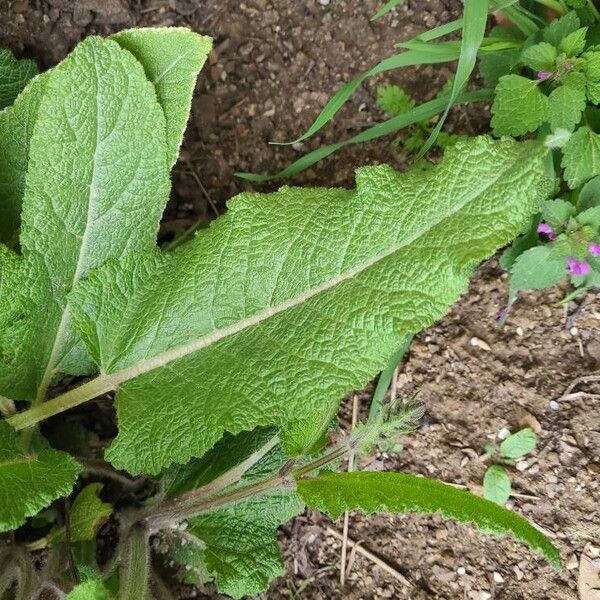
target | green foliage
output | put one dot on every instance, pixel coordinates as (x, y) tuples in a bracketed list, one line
[(229, 355), (30, 481), (496, 481), (372, 492), (14, 76)]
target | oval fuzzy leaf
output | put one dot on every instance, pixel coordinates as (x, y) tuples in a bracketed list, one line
[(335, 493), (518, 444), (315, 289), (28, 481), (496, 484)]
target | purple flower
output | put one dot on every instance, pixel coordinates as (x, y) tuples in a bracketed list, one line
[(501, 314), (577, 267), (547, 230), (544, 75), (594, 248)]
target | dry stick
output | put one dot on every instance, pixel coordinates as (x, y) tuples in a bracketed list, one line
[(374, 559), (346, 514)]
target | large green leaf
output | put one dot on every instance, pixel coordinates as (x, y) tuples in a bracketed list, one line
[(14, 75), (16, 126), (172, 58), (30, 481), (314, 288), (97, 182), (371, 492)]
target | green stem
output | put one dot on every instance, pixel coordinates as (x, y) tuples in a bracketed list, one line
[(166, 515), (87, 391), (135, 561), (553, 4)]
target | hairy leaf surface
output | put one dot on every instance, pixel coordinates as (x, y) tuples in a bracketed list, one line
[(302, 295), (581, 157), (372, 492), (172, 58), (30, 481), (16, 126), (96, 184), (14, 75)]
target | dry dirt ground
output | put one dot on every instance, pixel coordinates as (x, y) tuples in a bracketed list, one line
[(274, 64)]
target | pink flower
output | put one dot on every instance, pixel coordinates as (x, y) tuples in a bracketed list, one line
[(546, 230), (577, 267), (594, 248), (544, 75)]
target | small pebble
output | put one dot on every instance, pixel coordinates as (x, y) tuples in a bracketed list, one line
[(554, 405), (324, 2), (519, 331), (477, 343), (522, 465), (572, 563), (484, 596), (574, 331), (503, 433), (497, 577), (461, 571)]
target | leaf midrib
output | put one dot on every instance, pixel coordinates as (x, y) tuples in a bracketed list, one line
[(149, 364)]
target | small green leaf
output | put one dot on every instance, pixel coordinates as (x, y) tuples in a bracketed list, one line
[(536, 269), (591, 65), (386, 8), (14, 76), (581, 157), (496, 484), (590, 217), (394, 100), (371, 492), (539, 57), (518, 444), (589, 195), (557, 212), (92, 589), (87, 513), (561, 28), (592, 91), (574, 43), (30, 482), (519, 106), (566, 105), (520, 245)]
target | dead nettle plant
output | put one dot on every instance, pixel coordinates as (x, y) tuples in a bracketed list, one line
[(228, 356)]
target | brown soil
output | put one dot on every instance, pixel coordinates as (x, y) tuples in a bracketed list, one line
[(275, 64)]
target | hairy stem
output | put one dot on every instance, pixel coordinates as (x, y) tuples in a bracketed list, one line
[(135, 560), (168, 514)]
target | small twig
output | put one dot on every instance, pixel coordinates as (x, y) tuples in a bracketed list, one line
[(594, 377), (346, 514), (372, 557)]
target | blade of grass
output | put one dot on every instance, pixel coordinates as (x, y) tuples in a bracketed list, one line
[(475, 20), (386, 8), (419, 113), (522, 21), (404, 59)]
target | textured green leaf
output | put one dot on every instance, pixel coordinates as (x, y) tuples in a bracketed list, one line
[(519, 106), (87, 513), (89, 590), (315, 288), (590, 217), (495, 65), (518, 444), (14, 76), (172, 58), (97, 183), (561, 28), (536, 269), (593, 91), (539, 57), (16, 125), (574, 43), (557, 212), (496, 484), (581, 157), (566, 105), (589, 195), (591, 65), (30, 482), (238, 545), (372, 492)]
